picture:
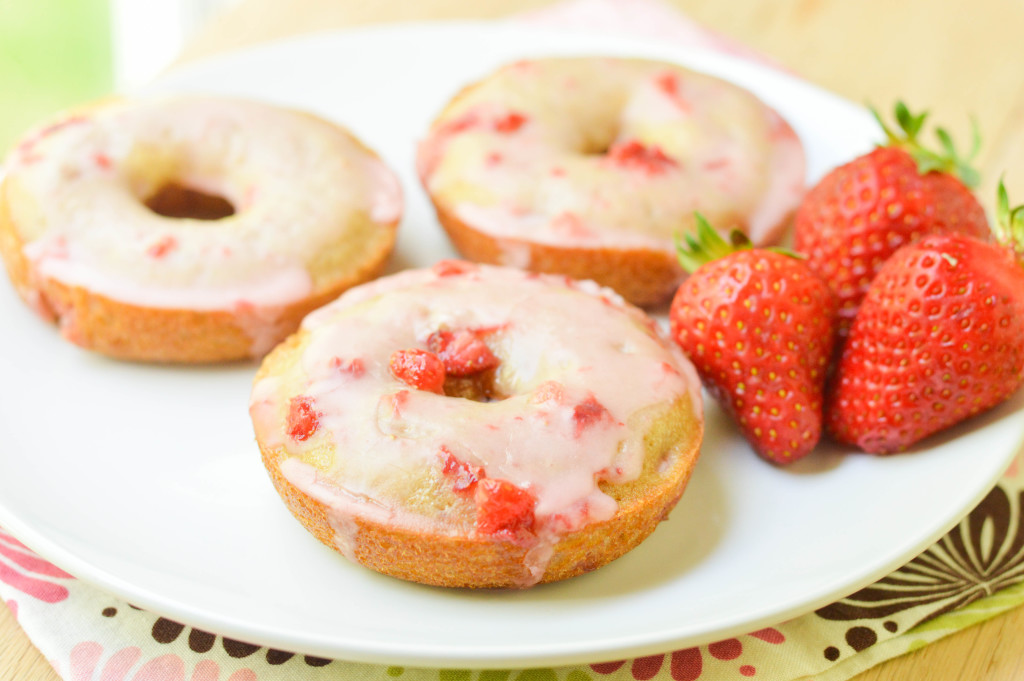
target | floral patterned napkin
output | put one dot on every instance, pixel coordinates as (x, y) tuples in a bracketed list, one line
[(974, 572)]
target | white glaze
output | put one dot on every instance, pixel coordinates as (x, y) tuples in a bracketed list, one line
[(76, 189), (387, 437), (732, 157)]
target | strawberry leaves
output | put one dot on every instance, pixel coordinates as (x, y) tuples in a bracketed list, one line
[(1009, 227), (944, 160), (706, 245)]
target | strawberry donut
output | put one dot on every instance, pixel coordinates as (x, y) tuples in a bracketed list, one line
[(590, 166), (441, 426), (191, 229)]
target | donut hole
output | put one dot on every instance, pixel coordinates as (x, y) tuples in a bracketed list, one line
[(596, 149), (177, 200), (478, 387), (598, 140)]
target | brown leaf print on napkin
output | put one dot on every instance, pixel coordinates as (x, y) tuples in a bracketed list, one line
[(981, 555)]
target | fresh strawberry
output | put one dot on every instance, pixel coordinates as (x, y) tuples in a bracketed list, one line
[(759, 326), (418, 368), (503, 509), (463, 352), (939, 337), (859, 214)]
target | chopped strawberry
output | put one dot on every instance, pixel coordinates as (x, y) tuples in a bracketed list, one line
[(432, 149), (463, 475), (669, 369), (463, 352), (634, 155), (27, 148), (510, 122), (102, 160), (419, 369), (484, 331), (461, 124), (668, 83), (451, 268), (503, 509), (353, 367), (303, 419), (587, 413), (162, 247), (548, 391)]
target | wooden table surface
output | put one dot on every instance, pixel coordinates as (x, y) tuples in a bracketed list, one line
[(957, 58)]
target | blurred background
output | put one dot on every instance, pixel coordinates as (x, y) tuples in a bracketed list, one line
[(59, 53), (957, 58)]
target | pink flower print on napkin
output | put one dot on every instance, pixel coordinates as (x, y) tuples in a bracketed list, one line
[(87, 663), (688, 664), (23, 570)]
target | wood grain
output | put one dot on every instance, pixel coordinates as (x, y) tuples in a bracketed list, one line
[(957, 58)]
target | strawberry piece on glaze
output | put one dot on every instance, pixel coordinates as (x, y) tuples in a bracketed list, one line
[(418, 368), (503, 509), (667, 83), (463, 476), (463, 352), (26, 150), (587, 413), (451, 268), (510, 122), (162, 247), (467, 121), (353, 367), (303, 419), (634, 155), (548, 391)]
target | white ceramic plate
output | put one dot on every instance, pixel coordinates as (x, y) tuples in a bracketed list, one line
[(146, 480)]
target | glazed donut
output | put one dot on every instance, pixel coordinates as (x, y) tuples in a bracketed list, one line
[(191, 229), (441, 426), (590, 166)]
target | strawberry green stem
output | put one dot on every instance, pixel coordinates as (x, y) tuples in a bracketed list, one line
[(707, 245), (1009, 227), (947, 159)]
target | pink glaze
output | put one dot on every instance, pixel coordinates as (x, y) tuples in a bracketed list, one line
[(632, 152), (785, 182), (571, 414), (386, 202), (76, 190)]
